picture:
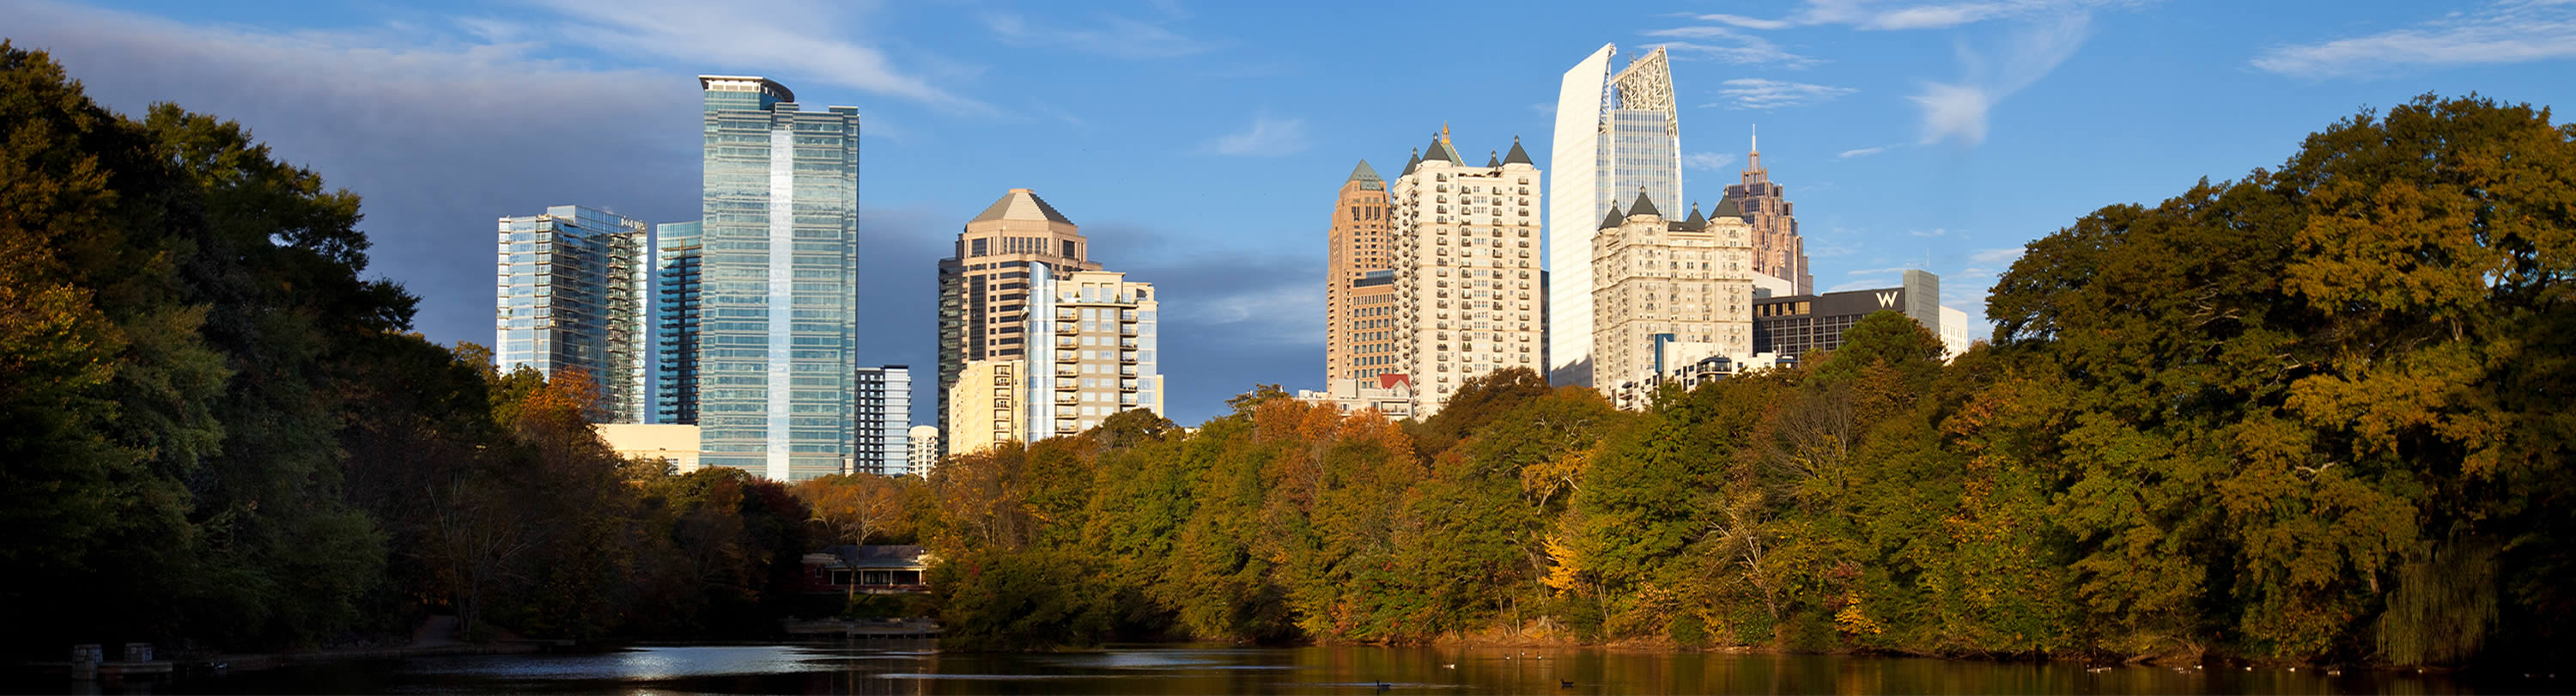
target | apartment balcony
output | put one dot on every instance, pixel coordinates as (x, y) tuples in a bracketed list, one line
[(1066, 371), (1066, 385), (1066, 356), (1127, 356), (1127, 343), (1066, 397), (1127, 330), (1066, 428), (1066, 328), (1127, 385), (1128, 370)]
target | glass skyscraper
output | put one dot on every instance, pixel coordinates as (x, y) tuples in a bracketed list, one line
[(1616, 136), (571, 297), (777, 328), (675, 323)]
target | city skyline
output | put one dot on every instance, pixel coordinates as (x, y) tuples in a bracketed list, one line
[(2009, 100)]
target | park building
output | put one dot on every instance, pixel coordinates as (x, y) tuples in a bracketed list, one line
[(571, 298), (1668, 293), (1469, 296)]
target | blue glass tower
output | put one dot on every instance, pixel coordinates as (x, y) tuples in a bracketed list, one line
[(675, 322), (571, 298), (777, 321)]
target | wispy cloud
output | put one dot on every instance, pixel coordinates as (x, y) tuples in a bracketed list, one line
[(1934, 232), (2511, 31), (1117, 37), (1758, 93), (1898, 16), (1957, 111), (1862, 152), (1726, 45), (1711, 161), (1266, 137), (1996, 257), (1878, 271), (724, 39)]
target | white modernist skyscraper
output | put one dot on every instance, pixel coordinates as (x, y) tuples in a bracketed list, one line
[(1616, 135)]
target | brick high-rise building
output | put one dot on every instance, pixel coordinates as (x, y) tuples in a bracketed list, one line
[(984, 288), (1359, 282), (1467, 281), (1778, 251)]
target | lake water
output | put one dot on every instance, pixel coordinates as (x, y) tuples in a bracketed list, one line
[(883, 667)]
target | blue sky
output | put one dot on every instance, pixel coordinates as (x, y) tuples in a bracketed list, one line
[(1199, 144)]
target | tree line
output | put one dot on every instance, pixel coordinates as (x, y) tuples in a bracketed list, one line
[(219, 434), (2317, 413)]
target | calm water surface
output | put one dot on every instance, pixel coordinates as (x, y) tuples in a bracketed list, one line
[(882, 667)]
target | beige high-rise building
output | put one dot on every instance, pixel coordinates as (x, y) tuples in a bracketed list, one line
[(984, 287), (1359, 282), (984, 405), (1667, 294), (1106, 334), (1469, 297), (1778, 251)]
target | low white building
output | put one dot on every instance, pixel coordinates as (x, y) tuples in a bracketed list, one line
[(1390, 394)]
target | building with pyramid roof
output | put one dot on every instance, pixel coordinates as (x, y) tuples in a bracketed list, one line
[(1465, 289), (1359, 281)]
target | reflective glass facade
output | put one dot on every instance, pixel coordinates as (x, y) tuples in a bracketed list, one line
[(675, 323), (778, 298), (571, 297)]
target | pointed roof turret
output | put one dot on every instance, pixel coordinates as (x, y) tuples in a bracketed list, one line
[(1366, 177), (1728, 208), (1518, 155), (1441, 149), (1695, 222), (1411, 164), (1021, 204), (1643, 205), (1492, 160), (1614, 219)]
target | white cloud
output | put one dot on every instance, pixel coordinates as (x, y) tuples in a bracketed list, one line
[(1958, 111), (1711, 161), (2510, 31), (1862, 152), (1266, 137), (1884, 16), (1996, 257), (1728, 45), (724, 39), (1746, 22), (1935, 232), (1758, 93), (1879, 271), (1118, 37)]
